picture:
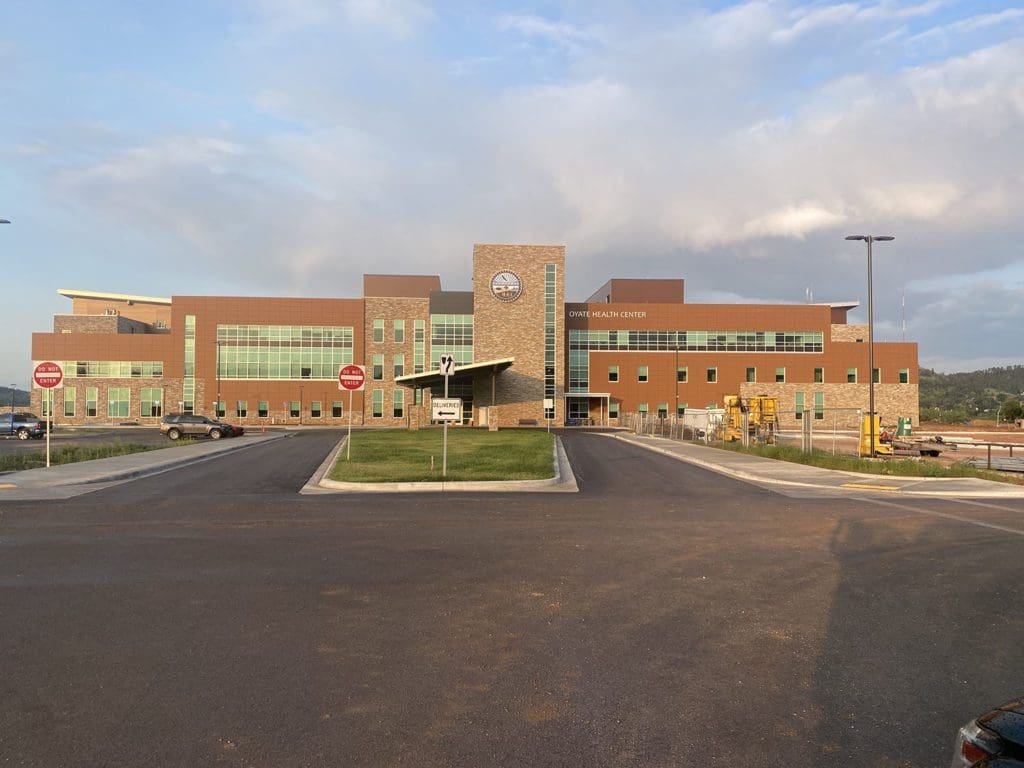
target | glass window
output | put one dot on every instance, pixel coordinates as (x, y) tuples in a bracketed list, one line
[(241, 408), (876, 375), (399, 365), (151, 401), (220, 409), (92, 395), (851, 375), (819, 375), (69, 401), (819, 405), (780, 375), (336, 409), (315, 408), (378, 367), (663, 410), (262, 409), (904, 375), (378, 330), (712, 375), (613, 410), (399, 331), (751, 374), (294, 409), (642, 408), (799, 404), (378, 403), (680, 408), (398, 403), (118, 401), (641, 374), (613, 373)]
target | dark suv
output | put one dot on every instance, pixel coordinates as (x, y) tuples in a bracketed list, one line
[(21, 425), (177, 425)]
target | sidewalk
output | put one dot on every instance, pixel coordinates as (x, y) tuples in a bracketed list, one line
[(66, 480), (784, 474)]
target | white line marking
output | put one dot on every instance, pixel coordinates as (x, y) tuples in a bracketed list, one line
[(947, 516)]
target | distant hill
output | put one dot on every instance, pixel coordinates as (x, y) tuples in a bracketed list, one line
[(973, 395), (20, 398)]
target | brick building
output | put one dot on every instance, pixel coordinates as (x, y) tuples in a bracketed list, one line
[(522, 354)]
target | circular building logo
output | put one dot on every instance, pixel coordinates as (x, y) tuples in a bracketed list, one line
[(506, 286)]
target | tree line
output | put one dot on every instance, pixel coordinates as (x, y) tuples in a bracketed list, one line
[(987, 394)]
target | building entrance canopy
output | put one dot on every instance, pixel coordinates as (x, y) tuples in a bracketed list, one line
[(462, 373)]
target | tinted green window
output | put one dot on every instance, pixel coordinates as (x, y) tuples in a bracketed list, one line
[(294, 409), (378, 367), (378, 403), (876, 375), (92, 395), (751, 374), (799, 404), (151, 401), (399, 365), (819, 405), (398, 403), (69, 401), (851, 376), (241, 409), (378, 330), (819, 375), (712, 375), (904, 375), (336, 409), (399, 331), (641, 373), (780, 375), (613, 373), (262, 409), (681, 374), (118, 401)]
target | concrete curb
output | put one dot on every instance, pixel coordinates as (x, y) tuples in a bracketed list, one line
[(564, 480)]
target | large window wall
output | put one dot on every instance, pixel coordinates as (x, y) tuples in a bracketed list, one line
[(451, 335), (259, 352)]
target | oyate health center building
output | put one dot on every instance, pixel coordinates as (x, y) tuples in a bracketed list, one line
[(522, 354)]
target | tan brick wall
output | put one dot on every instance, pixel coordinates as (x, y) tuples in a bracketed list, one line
[(516, 329), (849, 333), (842, 401), (171, 395), (390, 309), (84, 324)]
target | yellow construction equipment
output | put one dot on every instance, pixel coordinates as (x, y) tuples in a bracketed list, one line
[(881, 449), (758, 414)]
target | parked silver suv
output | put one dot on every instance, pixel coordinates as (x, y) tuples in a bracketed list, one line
[(177, 425)]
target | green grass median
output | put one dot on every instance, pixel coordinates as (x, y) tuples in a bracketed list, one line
[(401, 456), (70, 454)]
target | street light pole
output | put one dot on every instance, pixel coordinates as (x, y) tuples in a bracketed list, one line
[(869, 239), (216, 413)]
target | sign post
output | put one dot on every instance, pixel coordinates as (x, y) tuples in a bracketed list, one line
[(447, 366), (48, 376), (352, 378)]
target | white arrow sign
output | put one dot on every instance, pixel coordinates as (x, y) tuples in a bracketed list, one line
[(447, 365), (446, 409)]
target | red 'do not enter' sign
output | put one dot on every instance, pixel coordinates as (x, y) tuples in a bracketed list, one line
[(48, 375)]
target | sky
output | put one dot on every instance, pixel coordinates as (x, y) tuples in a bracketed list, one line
[(286, 147)]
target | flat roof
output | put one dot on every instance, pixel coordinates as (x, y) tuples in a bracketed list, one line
[(459, 373), (73, 294)]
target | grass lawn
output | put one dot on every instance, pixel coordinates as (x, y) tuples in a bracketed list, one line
[(69, 454), (890, 467), (401, 456)]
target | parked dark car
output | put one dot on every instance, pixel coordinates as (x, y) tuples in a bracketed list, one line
[(178, 425), (994, 740), (21, 425)]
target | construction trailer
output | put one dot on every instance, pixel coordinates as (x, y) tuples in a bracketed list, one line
[(750, 419)]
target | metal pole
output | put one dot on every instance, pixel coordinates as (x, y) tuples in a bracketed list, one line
[(49, 419), (871, 353), (12, 398), (444, 449), (217, 414), (348, 442)]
